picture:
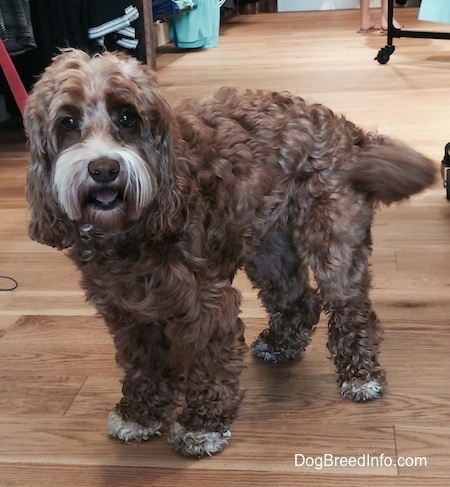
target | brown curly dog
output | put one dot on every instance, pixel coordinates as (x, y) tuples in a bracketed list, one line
[(160, 206)]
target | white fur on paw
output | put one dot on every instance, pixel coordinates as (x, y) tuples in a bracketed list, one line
[(127, 431), (362, 391), (197, 443), (262, 351)]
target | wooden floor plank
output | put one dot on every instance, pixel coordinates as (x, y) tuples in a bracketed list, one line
[(82, 441), (430, 445), (37, 476)]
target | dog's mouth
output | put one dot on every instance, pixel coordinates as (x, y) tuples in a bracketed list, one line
[(105, 198)]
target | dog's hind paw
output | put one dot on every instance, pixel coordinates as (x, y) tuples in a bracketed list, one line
[(267, 353), (359, 391), (197, 443), (127, 431), (264, 352)]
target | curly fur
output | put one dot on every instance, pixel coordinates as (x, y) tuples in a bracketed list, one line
[(127, 431), (159, 207)]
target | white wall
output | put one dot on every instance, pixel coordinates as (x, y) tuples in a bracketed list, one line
[(302, 5)]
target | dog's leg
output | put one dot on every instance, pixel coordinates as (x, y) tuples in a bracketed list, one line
[(354, 336), (211, 387), (344, 281), (212, 397), (149, 387), (293, 306)]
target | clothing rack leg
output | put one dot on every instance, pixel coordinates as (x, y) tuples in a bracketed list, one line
[(150, 41), (13, 78)]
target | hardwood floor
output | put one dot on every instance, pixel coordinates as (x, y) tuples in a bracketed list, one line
[(57, 372)]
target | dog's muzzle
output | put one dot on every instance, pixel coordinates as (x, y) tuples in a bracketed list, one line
[(104, 171)]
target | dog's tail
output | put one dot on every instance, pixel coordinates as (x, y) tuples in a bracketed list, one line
[(389, 171)]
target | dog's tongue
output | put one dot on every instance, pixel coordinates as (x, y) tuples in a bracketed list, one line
[(106, 195)]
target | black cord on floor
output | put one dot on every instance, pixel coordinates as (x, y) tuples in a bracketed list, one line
[(13, 284)]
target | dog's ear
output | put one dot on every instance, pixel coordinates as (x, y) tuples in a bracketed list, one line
[(157, 115), (48, 224), (168, 152)]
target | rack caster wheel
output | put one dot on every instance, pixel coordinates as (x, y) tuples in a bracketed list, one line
[(445, 170), (384, 54)]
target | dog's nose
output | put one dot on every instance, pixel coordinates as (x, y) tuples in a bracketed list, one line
[(103, 170)]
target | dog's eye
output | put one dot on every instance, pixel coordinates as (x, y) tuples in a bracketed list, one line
[(69, 123), (128, 119)]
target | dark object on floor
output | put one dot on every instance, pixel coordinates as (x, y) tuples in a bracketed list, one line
[(445, 169)]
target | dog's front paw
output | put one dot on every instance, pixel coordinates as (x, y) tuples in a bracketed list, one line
[(359, 391), (127, 431), (197, 443)]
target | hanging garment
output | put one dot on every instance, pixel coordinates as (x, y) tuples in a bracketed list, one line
[(15, 26), (197, 28), (57, 24), (163, 9), (110, 23), (435, 11)]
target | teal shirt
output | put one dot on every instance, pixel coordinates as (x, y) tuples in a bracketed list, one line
[(435, 11), (198, 27)]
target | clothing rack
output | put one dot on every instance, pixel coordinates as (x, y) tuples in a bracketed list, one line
[(146, 6), (385, 52)]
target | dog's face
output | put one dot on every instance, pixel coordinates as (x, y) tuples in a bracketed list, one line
[(98, 131)]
